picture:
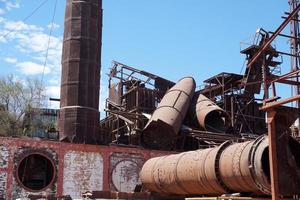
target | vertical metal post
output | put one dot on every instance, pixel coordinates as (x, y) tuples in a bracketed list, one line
[(295, 45), (232, 110), (272, 153)]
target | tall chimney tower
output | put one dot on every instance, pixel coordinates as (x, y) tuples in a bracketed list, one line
[(81, 64)]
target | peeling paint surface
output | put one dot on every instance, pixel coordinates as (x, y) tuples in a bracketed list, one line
[(83, 171), (3, 178), (3, 156), (80, 167), (125, 169)]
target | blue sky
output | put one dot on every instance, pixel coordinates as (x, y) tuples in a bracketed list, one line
[(171, 38)]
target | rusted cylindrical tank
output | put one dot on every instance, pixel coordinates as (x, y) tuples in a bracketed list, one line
[(166, 120), (210, 116), (240, 167), (80, 79), (244, 167)]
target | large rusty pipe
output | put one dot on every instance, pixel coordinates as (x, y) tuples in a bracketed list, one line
[(210, 116), (186, 173), (239, 167), (166, 120), (244, 167)]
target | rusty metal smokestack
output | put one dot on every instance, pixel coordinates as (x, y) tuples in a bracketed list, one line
[(240, 167), (80, 82)]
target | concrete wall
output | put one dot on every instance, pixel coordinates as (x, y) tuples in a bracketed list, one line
[(79, 168)]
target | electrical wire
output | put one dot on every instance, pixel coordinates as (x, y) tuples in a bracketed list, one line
[(25, 19), (49, 41)]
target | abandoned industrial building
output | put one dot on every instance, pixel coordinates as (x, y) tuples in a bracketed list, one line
[(234, 137)]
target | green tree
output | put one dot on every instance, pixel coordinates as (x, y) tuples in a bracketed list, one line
[(18, 98)]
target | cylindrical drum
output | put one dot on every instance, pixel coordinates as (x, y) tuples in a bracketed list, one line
[(239, 167), (210, 116), (244, 167), (166, 120), (191, 172)]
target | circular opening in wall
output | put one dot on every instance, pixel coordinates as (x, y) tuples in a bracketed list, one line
[(36, 172)]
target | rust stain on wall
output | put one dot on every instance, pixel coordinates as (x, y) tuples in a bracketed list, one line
[(124, 171), (79, 167), (83, 171)]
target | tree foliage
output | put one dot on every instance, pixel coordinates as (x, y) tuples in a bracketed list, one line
[(17, 98)]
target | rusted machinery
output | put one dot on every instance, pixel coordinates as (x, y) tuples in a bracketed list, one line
[(81, 56), (239, 167), (133, 96), (210, 116), (167, 119)]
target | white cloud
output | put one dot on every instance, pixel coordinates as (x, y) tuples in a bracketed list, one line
[(31, 68), (54, 81), (20, 26), (10, 60), (32, 41), (10, 4), (53, 91), (53, 25)]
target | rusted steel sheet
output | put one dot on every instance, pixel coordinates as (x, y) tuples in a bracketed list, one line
[(240, 167), (86, 167), (166, 120), (115, 93), (284, 153), (83, 171), (210, 116), (80, 83)]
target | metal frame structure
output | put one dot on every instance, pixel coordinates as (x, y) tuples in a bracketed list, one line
[(271, 104), (133, 96), (236, 93)]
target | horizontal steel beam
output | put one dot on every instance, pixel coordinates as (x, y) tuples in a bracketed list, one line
[(281, 102)]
